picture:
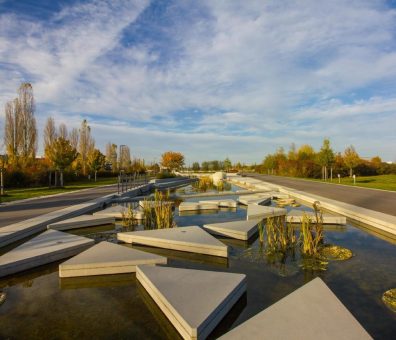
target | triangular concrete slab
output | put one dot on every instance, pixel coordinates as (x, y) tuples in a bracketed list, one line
[(225, 203), (296, 217), (114, 211), (50, 246), (192, 239), (194, 301), (82, 221), (241, 230), (117, 212), (107, 258), (196, 206), (260, 199), (258, 211), (315, 302)]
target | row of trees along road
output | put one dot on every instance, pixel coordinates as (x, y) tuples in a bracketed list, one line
[(74, 150), (305, 162)]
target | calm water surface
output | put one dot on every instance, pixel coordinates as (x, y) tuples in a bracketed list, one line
[(40, 305)]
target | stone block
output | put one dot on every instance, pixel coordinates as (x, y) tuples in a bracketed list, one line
[(191, 239), (107, 258), (194, 301)]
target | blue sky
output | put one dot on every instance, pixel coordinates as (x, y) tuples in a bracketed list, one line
[(208, 78)]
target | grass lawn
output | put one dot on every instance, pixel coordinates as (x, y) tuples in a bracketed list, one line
[(19, 194), (384, 182)]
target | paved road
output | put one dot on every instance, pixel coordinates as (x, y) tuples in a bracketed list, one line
[(24, 210), (378, 200)]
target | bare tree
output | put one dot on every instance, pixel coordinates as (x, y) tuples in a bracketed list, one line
[(12, 131), (28, 123), (74, 138), (124, 157), (49, 135), (111, 155), (63, 131), (86, 144)]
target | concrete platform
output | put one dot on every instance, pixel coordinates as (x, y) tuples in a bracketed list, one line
[(191, 239), (241, 230), (115, 211), (295, 216), (81, 222), (225, 203), (255, 211), (107, 258), (326, 318), (17, 231), (50, 246), (195, 206), (194, 301), (258, 199)]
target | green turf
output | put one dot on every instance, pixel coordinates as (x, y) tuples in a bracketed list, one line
[(383, 182), (19, 194)]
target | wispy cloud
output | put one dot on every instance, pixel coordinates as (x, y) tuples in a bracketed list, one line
[(231, 78)]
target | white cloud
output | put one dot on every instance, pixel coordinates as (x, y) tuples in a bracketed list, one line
[(265, 71)]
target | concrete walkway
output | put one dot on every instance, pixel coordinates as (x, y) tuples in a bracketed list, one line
[(377, 200), (21, 211)]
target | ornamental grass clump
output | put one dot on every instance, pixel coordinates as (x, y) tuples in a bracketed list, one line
[(311, 236), (158, 214), (279, 236), (128, 217)]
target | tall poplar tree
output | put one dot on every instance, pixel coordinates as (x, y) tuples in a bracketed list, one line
[(26, 110)]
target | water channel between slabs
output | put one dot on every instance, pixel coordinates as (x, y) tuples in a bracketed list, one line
[(41, 305)]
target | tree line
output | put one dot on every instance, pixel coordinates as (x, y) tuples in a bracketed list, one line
[(325, 163), (72, 153)]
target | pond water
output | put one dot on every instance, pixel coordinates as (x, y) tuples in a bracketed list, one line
[(41, 305), (191, 190)]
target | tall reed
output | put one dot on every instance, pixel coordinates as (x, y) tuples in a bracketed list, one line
[(311, 236), (128, 217), (158, 214)]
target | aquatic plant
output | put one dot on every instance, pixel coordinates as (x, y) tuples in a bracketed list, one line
[(128, 217), (148, 213), (204, 183), (336, 253), (158, 213), (260, 227), (163, 210), (311, 235), (389, 298), (280, 235)]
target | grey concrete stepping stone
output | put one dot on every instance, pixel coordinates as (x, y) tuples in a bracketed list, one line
[(296, 217), (191, 239), (81, 222), (17, 231), (196, 206), (50, 246), (194, 301), (225, 203), (241, 230), (326, 318), (107, 258), (255, 211), (117, 212), (259, 199), (114, 211)]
